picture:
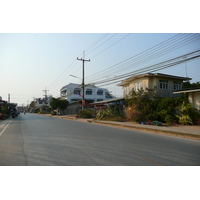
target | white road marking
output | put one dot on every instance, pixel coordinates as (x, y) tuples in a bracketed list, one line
[(5, 128)]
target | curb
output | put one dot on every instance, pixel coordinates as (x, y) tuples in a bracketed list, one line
[(151, 130), (156, 131)]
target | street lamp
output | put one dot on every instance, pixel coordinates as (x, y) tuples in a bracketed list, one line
[(75, 76)]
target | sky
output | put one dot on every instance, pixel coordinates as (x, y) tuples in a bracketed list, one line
[(33, 62)]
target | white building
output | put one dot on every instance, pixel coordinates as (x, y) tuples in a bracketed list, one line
[(73, 92), (40, 102)]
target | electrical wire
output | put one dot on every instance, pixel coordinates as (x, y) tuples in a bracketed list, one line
[(97, 42), (111, 45), (102, 43), (158, 50), (71, 65), (169, 63)]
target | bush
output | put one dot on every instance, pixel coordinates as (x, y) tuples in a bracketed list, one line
[(133, 115), (187, 114), (53, 112), (104, 114), (169, 119), (86, 113), (166, 109)]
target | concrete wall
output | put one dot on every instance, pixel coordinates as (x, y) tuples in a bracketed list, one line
[(194, 99)]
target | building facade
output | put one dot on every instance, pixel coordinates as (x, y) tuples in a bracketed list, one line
[(40, 102), (164, 84), (73, 92), (193, 96)]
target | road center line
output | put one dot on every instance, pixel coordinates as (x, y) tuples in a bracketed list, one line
[(152, 161), (5, 128)]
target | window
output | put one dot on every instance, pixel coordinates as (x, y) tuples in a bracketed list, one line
[(138, 86), (127, 89), (77, 91), (177, 85), (100, 92), (163, 84), (89, 92)]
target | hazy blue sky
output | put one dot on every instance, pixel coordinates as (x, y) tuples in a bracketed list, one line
[(31, 63)]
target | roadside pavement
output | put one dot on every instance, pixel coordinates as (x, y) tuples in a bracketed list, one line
[(190, 132)]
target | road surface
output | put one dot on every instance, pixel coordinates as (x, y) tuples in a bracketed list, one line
[(39, 140)]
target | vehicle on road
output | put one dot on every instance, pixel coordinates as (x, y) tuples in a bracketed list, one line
[(2, 116)]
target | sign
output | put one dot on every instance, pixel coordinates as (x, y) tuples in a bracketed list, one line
[(83, 103)]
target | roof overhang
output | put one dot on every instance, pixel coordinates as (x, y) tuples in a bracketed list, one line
[(187, 91), (128, 80), (107, 101)]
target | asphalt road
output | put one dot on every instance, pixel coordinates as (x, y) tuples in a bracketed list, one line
[(38, 140)]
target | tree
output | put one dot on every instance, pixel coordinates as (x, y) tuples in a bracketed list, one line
[(58, 103), (187, 84), (142, 105), (147, 105), (166, 109)]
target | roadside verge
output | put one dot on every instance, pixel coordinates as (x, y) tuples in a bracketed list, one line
[(179, 131), (152, 129)]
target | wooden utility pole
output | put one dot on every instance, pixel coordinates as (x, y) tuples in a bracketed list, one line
[(83, 79)]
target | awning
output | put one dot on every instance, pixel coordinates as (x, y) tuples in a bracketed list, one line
[(107, 101)]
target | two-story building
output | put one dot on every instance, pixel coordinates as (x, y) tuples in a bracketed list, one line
[(164, 84), (73, 92), (40, 102)]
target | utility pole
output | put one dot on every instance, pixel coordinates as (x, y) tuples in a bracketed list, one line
[(83, 81), (186, 67), (45, 94), (8, 98)]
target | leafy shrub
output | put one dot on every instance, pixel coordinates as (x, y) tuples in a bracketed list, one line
[(187, 114), (169, 119), (143, 105), (53, 112), (185, 119), (86, 113), (104, 114), (134, 115)]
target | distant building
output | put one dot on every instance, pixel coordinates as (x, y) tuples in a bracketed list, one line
[(73, 92), (40, 102), (164, 84)]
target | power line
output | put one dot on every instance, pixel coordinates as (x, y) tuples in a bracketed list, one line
[(148, 55), (96, 42), (72, 64), (102, 43), (130, 59), (111, 45), (162, 65), (158, 54)]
